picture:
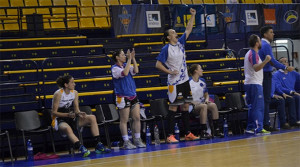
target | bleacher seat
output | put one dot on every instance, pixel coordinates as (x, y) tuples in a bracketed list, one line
[(287, 1), (278, 1), (86, 3), (42, 52), (100, 3), (219, 1), (197, 1), (102, 22), (163, 2), (59, 2), (31, 3), (45, 2), (125, 2), (101, 11), (4, 3), (269, 1), (259, 1), (16, 3), (187, 2), (208, 1), (73, 2), (42, 42), (249, 1), (11, 25), (176, 2), (112, 2)]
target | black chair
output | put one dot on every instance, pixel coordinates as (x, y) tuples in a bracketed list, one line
[(106, 114), (8, 140), (159, 108), (28, 122), (235, 102)]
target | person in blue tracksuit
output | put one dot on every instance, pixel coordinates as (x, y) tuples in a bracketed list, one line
[(286, 83), (267, 35), (280, 100), (253, 69)]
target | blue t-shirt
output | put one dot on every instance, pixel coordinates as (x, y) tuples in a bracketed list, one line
[(265, 50), (286, 82), (123, 85)]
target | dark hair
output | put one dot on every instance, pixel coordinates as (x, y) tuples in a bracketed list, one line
[(264, 29), (165, 37), (252, 40), (61, 80), (115, 54), (280, 59), (192, 68)]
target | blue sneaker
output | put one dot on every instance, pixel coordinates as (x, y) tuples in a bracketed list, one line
[(100, 148), (85, 152)]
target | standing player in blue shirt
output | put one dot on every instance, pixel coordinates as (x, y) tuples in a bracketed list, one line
[(126, 98), (267, 35), (173, 56)]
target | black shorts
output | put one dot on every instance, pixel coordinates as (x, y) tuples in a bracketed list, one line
[(70, 121), (124, 102), (183, 94)]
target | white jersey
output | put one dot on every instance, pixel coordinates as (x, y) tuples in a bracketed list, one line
[(173, 56), (252, 77), (198, 90), (66, 100)]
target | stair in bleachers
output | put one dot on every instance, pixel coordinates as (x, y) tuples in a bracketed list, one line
[(42, 42)]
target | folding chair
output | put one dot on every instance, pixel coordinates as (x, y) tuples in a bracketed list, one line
[(28, 122)]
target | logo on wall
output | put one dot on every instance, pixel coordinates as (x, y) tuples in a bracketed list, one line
[(251, 17), (153, 19), (125, 19), (178, 22), (291, 17), (270, 17), (210, 20), (228, 15)]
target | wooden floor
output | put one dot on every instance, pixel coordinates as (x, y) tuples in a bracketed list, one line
[(282, 150)]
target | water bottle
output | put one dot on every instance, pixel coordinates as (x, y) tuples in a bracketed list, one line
[(130, 135), (177, 137), (148, 136), (225, 128), (156, 135), (29, 150)]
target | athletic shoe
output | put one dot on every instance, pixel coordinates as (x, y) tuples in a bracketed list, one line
[(85, 152), (172, 139), (217, 133), (286, 126), (204, 135), (100, 148), (191, 137), (270, 129), (138, 143), (263, 132), (128, 145), (249, 131)]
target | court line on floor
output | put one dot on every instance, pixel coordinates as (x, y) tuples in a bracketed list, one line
[(161, 155)]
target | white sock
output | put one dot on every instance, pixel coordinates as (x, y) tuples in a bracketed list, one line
[(137, 135), (125, 137)]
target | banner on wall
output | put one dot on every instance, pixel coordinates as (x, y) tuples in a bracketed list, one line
[(136, 19), (153, 19), (270, 17), (251, 17), (210, 20)]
